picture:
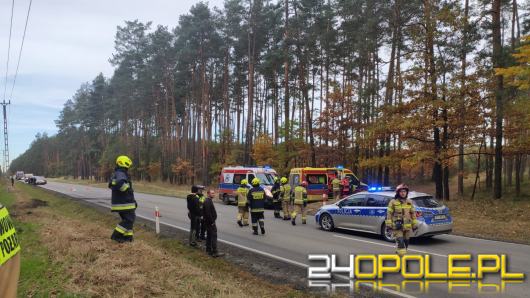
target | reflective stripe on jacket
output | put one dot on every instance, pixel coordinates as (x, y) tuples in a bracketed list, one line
[(242, 193), (401, 210), (285, 192), (256, 199), (300, 195), (122, 191)]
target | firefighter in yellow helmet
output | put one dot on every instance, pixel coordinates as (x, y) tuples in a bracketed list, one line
[(285, 197), (275, 190), (242, 203), (256, 201), (123, 200), (401, 218), (9, 256), (300, 203)]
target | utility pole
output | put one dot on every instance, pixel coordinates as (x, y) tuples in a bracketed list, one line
[(6, 143)]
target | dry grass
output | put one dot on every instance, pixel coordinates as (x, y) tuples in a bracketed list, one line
[(77, 239)]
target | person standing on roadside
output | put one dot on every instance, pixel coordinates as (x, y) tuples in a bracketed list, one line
[(12, 182), (209, 218), (123, 200), (194, 214), (401, 218)]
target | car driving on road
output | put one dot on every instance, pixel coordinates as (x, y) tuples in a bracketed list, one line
[(366, 212)]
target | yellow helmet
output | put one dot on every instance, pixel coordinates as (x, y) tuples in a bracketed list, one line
[(123, 161), (255, 182), (283, 180), (244, 182)]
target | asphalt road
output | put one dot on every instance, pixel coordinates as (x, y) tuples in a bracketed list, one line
[(292, 244)]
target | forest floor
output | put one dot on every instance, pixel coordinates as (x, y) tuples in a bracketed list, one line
[(483, 217), (66, 251)]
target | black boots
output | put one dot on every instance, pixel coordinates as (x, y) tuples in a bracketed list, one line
[(293, 222), (255, 230), (240, 223)]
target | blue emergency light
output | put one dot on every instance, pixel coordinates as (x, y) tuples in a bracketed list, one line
[(340, 167)]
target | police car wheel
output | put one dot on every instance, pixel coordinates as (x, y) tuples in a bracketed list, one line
[(326, 222), (387, 233)]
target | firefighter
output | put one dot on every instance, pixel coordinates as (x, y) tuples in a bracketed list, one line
[(9, 256), (276, 197), (256, 201), (336, 187), (194, 214), (401, 218), (285, 193), (123, 200), (300, 203), (242, 203)]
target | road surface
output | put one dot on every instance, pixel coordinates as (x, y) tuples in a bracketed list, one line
[(292, 244)]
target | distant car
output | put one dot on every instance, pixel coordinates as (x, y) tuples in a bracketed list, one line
[(366, 212), (39, 180)]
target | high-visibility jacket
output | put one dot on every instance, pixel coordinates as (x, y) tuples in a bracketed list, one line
[(275, 190), (242, 193), (193, 204), (202, 199), (300, 195), (9, 242), (401, 210), (285, 192), (335, 184), (256, 199), (122, 191)]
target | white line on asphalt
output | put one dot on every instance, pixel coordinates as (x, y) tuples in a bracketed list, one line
[(390, 291), (388, 245)]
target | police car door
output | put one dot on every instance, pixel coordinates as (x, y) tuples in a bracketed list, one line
[(349, 215), (374, 212)]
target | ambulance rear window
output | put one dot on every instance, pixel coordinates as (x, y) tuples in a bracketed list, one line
[(316, 178)]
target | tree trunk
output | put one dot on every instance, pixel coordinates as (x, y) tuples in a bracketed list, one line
[(499, 105)]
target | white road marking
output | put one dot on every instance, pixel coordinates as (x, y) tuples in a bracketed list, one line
[(389, 291), (388, 245)]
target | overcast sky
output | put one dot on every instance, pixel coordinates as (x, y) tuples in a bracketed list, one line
[(68, 42)]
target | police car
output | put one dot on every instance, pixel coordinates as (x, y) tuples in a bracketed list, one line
[(366, 211)]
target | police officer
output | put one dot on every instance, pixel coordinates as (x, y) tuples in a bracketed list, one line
[(242, 203), (401, 218), (194, 214), (256, 200), (336, 187), (285, 193), (123, 200), (276, 197), (202, 227), (9, 256), (300, 203)]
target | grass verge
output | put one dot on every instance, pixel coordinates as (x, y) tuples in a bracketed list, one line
[(66, 251)]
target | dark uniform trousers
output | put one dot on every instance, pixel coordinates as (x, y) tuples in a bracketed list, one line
[(127, 221), (194, 228), (257, 217), (211, 238)]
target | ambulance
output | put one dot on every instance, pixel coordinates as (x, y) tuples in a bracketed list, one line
[(319, 181), (231, 177)]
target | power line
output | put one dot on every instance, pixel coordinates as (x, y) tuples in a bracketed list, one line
[(9, 47), (20, 51)]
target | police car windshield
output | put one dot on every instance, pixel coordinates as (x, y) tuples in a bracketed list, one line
[(426, 202)]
